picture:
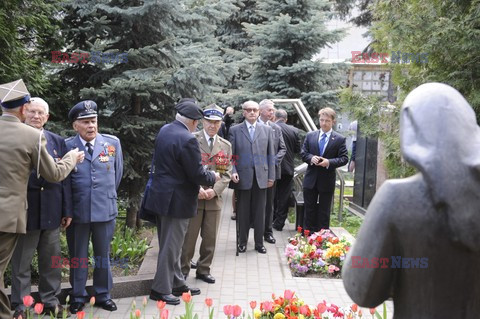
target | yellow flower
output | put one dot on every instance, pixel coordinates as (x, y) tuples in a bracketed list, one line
[(279, 316), (257, 313), (300, 316)]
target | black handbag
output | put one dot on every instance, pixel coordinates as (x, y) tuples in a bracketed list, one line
[(143, 212)]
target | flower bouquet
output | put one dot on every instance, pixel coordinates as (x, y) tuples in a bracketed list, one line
[(321, 253)]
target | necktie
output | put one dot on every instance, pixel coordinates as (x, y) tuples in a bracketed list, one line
[(252, 132), (210, 143), (89, 148), (321, 143)]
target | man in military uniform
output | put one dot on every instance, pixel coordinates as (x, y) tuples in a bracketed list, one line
[(22, 148), (216, 156), (49, 207), (94, 201)]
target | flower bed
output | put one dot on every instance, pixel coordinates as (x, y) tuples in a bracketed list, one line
[(318, 253)]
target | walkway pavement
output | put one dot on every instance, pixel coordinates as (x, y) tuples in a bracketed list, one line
[(250, 276)]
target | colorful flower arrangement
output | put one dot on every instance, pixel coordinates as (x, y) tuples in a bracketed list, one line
[(321, 252)]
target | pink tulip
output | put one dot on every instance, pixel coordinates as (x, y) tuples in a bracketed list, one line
[(288, 294), (253, 304), (321, 307), (161, 304), (228, 310), (164, 314), (372, 311), (187, 297), (304, 310), (237, 311), (38, 308), (268, 306), (138, 313), (354, 307), (28, 301), (92, 301), (208, 302)]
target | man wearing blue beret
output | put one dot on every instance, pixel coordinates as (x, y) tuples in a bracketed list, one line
[(94, 202), (177, 174)]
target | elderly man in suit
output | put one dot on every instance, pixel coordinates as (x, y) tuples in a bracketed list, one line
[(267, 112), (323, 150), (49, 208), (253, 173), (22, 148), (177, 174), (94, 201), (216, 156), (284, 185)]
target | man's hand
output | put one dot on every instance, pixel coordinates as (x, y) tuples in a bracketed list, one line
[(210, 193), (201, 193), (269, 183), (79, 155), (315, 160), (324, 162), (65, 222), (235, 178)]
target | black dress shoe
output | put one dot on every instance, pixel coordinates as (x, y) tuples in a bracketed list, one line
[(178, 291), (19, 314), (76, 307), (108, 305), (169, 299), (242, 248), (207, 278), (278, 228), (261, 250), (193, 264), (234, 216), (269, 239)]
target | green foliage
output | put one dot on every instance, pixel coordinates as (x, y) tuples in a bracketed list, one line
[(448, 31), (126, 245), (377, 119)]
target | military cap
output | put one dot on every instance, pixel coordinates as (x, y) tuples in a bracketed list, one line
[(14, 94), (83, 110), (189, 108), (213, 112)]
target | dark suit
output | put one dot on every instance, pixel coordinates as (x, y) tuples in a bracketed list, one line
[(94, 200), (254, 162), (319, 182), (279, 150), (47, 204), (172, 197), (284, 185)]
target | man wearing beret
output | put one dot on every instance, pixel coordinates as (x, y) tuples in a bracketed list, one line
[(177, 174), (216, 155), (22, 148), (94, 201), (48, 209)]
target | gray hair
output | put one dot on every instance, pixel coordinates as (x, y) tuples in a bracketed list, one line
[(281, 114), (41, 102), (265, 103)]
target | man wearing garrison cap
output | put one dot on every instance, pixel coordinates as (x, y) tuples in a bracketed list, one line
[(216, 155), (94, 202), (171, 196), (22, 148)]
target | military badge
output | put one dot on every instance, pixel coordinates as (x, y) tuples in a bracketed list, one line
[(221, 162)]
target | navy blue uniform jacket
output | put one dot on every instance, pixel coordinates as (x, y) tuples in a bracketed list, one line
[(177, 173), (49, 202)]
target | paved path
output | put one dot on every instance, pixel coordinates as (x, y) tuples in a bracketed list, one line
[(250, 276)]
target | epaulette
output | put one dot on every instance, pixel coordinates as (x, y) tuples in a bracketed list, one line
[(221, 139), (69, 138), (111, 136)]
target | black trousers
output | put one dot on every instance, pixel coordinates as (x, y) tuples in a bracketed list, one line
[(282, 199), (269, 209), (251, 202), (317, 215)]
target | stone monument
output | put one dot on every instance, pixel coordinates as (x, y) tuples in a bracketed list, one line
[(420, 241)]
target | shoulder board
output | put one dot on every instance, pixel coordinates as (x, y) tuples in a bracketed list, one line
[(110, 136), (69, 138), (225, 141)]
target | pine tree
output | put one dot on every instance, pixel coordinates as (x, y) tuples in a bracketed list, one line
[(285, 43), (171, 54)]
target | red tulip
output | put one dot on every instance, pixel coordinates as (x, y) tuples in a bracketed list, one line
[(38, 308), (288, 294), (253, 304), (322, 307), (164, 314), (237, 311), (372, 311), (354, 307), (227, 310), (305, 310), (306, 232), (208, 302), (80, 314), (161, 304), (138, 313), (299, 229), (187, 297), (28, 301)]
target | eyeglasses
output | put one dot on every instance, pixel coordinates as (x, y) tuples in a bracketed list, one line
[(250, 110)]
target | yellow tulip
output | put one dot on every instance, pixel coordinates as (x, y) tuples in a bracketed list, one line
[(279, 316), (257, 313)]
